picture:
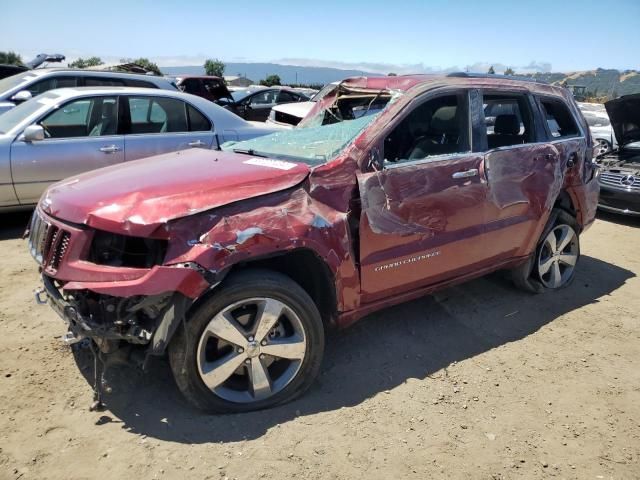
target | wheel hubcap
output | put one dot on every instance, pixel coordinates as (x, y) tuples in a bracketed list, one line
[(603, 147), (251, 350), (558, 256)]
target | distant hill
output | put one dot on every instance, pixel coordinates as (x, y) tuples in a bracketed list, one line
[(599, 83), (287, 73)]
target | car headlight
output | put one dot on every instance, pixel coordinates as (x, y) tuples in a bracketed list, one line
[(124, 251)]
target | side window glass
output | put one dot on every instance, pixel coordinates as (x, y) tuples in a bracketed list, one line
[(157, 115), (559, 119), (102, 82), (436, 127), (263, 98), (191, 85), (286, 97), (197, 121), (83, 117), (507, 119), (50, 83)]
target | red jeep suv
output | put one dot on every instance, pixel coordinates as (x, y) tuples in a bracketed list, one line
[(234, 262)]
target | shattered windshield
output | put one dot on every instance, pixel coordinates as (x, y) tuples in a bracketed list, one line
[(311, 145), (323, 136)]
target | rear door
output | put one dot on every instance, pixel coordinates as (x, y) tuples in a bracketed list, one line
[(81, 135), (523, 171), (422, 215), (162, 124)]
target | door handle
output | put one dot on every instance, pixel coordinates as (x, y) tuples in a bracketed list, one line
[(573, 159), (197, 143), (110, 149), (466, 174)]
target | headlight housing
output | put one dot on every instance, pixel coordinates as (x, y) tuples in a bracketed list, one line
[(125, 251)]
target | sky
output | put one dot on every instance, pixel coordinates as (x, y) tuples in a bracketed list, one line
[(402, 36)]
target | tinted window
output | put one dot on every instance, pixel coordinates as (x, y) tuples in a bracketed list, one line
[(559, 119), (139, 83), (264, 98), (197, 121), (508, 120), (437, 127), (83, 117), (287, 97), (102, 82), (157, 115), (50, 83), (191, 85)]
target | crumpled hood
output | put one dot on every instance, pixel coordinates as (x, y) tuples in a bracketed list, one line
[(624, 113), (135, 198)]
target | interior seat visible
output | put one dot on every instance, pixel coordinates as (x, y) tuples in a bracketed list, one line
[(108, 121), (506, 131)]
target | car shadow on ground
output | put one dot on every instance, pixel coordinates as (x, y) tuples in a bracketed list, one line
[(412, 340), (14, 224), (627, 220)]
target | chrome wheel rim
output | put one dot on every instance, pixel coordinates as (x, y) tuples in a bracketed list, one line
[(603, 146), (251, 350), (558, 256)]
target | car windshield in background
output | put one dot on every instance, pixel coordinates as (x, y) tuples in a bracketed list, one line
[(311, 145), (16, 115)]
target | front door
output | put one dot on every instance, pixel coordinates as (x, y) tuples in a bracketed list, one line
[(259, 105), (162, 125), (81, 135), (422, 215)]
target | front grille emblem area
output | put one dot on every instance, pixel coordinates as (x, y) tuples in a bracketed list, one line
[(627, 180)]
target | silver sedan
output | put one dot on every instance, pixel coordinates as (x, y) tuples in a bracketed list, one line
[(68, 131)]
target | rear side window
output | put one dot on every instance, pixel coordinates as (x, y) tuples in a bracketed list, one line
[(50, 83), (559, 119), (102, 82), (139, 83), (507, 120), (197, 121), (157, 115)]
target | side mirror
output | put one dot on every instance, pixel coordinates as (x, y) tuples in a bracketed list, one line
[(375, 160), (33, 133), (22, 96)]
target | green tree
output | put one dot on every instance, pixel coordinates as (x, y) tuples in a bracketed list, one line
[(491, 70), (86, 62), (270, 81), (10, 58), (509, 71), (391, 74), (214, 67), (145, 63)]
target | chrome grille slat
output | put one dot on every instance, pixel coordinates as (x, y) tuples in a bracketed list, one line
[(614, 179), (48, 243)]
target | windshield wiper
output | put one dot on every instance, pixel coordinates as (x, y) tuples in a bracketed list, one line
[(249, 151)]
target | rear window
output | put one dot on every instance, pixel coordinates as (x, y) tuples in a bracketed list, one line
[(559, 119)]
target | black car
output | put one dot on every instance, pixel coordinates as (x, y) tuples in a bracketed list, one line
[(256, 103), (620, 170)]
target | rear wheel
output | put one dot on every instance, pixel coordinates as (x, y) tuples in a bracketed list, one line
[(257, 342), (602, 146), (558, 251)]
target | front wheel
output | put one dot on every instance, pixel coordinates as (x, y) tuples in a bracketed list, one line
[(257, 342), (553, 265)]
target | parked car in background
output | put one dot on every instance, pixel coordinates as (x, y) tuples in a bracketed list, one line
[(290, 114), (209, 87), (68, 131), (23, 86), (236, 262), (620, 169), (598, 120), (256, 103)]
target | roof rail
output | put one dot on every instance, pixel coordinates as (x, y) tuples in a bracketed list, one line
[(493, 75)]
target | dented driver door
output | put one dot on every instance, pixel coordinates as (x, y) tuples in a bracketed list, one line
[(420, 223)]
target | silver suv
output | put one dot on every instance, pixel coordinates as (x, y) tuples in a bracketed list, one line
[(23, 86)]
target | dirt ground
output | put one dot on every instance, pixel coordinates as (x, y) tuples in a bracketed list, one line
[(480, 381)]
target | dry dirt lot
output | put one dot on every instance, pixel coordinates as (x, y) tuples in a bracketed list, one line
[(480, 381)]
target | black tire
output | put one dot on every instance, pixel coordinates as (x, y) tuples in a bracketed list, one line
[(526, 276), (235, 288)]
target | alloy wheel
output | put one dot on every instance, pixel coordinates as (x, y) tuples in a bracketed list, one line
[(558, 256), (251, 350), (602, 147)]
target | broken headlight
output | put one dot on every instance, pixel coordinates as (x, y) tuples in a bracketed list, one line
[(124, 251)]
